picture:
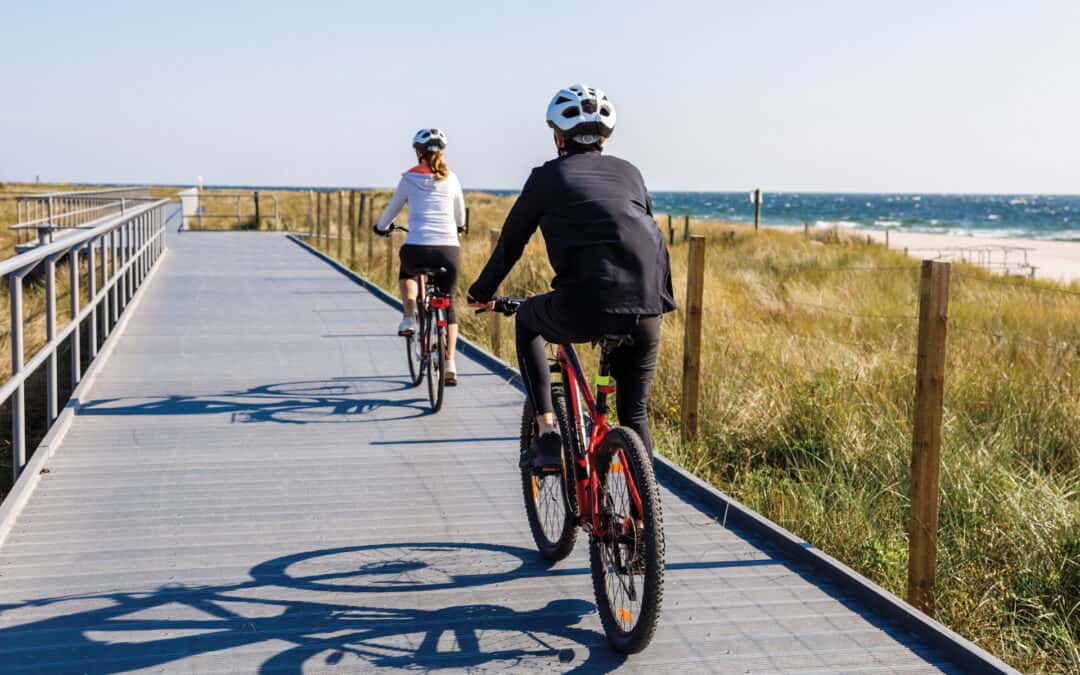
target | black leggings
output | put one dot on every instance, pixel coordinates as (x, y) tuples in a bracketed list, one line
[(413, 256), (633, 365)]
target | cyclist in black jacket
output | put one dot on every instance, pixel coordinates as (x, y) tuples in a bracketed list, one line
[(612, 274)]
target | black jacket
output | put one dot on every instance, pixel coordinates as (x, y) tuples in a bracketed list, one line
[(596, 217)]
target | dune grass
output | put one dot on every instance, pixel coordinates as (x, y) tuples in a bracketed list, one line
[(809, 362)]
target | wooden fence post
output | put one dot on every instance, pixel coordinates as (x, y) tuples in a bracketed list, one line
[(496, 332), (695, 290), (257, 219), (926, 436), (340, 222), (757, 209), (686, 228), (277, 220), (670, 231), (466, 220), (329, 219), (318, 218), (370, 232), (353, 216), (389, 260), (311, 215)]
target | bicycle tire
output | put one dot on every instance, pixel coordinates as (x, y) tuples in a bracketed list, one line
[(556, 544), (436, 336), (611, 570)]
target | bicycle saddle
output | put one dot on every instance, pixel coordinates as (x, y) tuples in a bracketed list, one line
[(430, 270)]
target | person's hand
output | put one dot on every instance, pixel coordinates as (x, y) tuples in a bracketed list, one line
[(477, 305), (383, 233)]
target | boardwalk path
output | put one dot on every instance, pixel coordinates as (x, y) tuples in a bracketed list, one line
[(252, 485)]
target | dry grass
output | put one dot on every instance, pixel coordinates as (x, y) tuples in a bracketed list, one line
[(807, 404)]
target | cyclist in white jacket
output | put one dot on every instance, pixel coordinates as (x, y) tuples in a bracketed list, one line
[(436, 217)]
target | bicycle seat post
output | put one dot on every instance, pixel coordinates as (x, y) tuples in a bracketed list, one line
[(604, 384)]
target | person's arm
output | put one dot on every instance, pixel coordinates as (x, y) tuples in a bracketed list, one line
[(397, 202), (521, 222), (459, 206)]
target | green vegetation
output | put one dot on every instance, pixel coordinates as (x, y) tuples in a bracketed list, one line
[(807, 406)]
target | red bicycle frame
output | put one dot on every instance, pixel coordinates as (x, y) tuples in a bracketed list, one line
[(586, 481)]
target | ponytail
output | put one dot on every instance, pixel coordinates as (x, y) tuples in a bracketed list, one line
[(434, 161)]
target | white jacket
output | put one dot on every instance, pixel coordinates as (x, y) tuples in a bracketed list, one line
[(436, 209)]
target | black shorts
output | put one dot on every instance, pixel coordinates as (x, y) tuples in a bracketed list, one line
[(413, 256)]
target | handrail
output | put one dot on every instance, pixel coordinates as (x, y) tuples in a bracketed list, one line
[(84, 193), (129, 244)]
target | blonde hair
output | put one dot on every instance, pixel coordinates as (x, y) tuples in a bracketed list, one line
[(434, 161)]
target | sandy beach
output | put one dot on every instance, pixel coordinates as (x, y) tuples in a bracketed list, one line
[(1051, 260), (1044, 259)]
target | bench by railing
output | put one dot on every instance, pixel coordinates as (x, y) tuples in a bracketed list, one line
[(39, 214), (128, 245)]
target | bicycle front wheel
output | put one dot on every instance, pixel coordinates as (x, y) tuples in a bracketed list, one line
[(627, 558), (436, 336)]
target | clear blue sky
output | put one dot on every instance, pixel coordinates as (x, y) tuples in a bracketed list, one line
[(846, 96)]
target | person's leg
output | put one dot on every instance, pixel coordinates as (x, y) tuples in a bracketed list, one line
[(532, 360), (409, 291), (406, 281), (633, 367), (451, 260)]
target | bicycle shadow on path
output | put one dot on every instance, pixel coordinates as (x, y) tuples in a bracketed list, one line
[(324, 619), (342, 400)]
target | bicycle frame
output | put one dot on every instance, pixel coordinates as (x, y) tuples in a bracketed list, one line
[(586, 480)]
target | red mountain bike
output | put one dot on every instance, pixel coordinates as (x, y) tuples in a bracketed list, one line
[(607, 488), (425, 349)]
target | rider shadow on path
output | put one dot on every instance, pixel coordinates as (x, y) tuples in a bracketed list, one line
[(341, 400), (292, 623)]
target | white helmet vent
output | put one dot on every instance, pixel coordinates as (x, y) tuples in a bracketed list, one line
[(583, 113)]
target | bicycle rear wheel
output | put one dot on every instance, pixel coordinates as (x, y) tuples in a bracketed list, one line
[(550, 499), (628, 560), (436, 336)]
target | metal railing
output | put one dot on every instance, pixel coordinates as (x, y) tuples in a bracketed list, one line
[(37, 215), (128, 246), (201, 198)]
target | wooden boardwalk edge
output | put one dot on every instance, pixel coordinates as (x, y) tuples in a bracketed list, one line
[(886, 605)]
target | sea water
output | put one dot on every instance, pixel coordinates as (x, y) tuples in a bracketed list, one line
[(1025, 216)]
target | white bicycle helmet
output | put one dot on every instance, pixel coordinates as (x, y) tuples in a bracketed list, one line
[(429, 140), (584, 114)]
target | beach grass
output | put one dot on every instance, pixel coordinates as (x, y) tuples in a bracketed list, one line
[(807, 398)]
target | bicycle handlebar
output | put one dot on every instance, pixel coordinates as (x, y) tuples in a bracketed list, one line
[(505, 306), (389, 231)]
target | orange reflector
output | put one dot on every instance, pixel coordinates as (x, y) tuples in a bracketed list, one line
[(625, 615), (536, 489), (616, 467)]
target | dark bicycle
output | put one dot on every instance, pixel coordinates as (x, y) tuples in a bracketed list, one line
[(607, 488), (425, 350)]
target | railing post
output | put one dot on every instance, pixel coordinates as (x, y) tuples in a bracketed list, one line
[(258, 221), (76, 357), (318, 219), (91, 257), (695, 289), (926, 436), (277, 220), (353, 216), (757, 209), (329, 219), (50, 333), (238, 212), (105, 285), (18, 400), (686, 228), (496, 326), (670, 231), (468, 213)]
